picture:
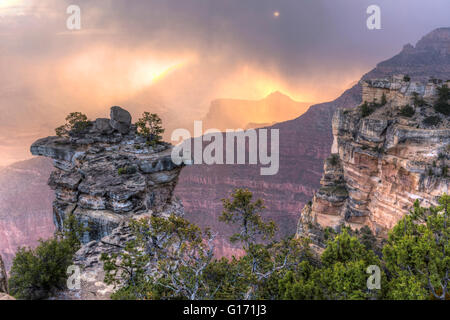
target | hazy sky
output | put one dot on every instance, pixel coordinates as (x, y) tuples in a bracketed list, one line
[(175, 56)]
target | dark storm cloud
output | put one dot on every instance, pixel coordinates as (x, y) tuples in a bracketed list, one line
[(234, 49), (306, 33)]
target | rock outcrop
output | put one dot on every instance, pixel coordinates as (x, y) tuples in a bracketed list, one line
[(386, 155), (106, 174)]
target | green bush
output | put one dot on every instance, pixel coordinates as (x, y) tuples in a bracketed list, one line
[(334, 159), (418, 100), (407, 111), (442, 104), (407, 78), (75, 122), (150, 127), (127, 170), (37, 273), (383, 100), (367, 109), (431, 120)]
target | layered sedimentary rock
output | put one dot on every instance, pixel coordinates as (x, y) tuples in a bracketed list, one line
[(305, 142), (25, 200), (107, 173), (383, 162)]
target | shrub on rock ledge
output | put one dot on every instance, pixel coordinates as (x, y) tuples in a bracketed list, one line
[(75, 121), (150, 127)]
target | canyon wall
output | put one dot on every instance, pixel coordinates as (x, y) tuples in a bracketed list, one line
[(305, 142), (106, 174), (25, 206), (383, 161)]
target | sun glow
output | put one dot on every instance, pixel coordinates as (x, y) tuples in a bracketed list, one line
[(118, 73), (148, 72), (11, 7)]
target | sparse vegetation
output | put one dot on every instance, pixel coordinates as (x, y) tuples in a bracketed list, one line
[(415, 259), (383, 100), (150, 127), (339, 191), (418, 100), (366, 109), (334, 159), (407, 78), (378, 149), (38, 273), (442, 104), (407, 111), (127, 170), (431, 121), (75, 122)]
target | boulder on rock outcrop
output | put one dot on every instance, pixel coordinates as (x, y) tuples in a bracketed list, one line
[(103, 126), (104, 177), (120, 119)]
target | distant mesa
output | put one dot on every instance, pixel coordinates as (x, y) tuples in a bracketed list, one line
[(235, 113)]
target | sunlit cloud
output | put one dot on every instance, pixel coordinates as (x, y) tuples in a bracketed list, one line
[(174, 57)]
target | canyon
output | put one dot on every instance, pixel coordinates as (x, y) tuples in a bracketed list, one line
[(305, 142), (105, 174)]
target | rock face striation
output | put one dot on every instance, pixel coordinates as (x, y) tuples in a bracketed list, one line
[(384, 159), (25, 204), (106, 174), (305, 142)]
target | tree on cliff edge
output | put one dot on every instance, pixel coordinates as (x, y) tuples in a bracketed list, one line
[(75, 121), (150, 126), (418, 253)]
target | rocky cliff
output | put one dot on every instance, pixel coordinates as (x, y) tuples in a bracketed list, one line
[(305, 142), (387, 153), (25, 206), (106, 174)]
